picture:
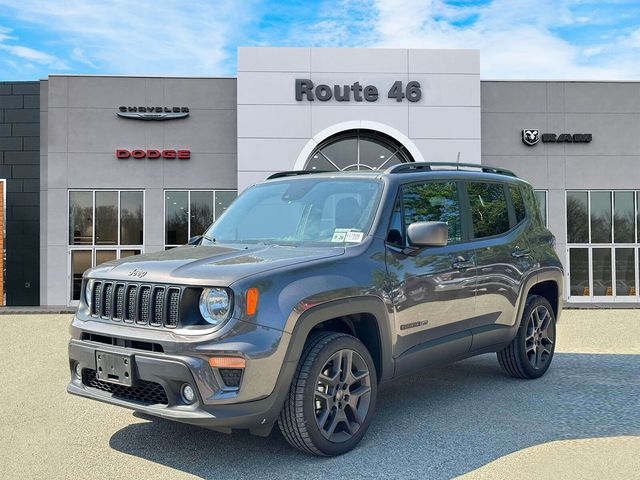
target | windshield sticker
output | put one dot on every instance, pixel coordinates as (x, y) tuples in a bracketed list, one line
[(354, 237), (341, 235)]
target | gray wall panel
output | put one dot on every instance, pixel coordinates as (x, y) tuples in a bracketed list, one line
[(444, 61), (610, 111), (359, 60), (601, 97), (449, 108), (274, 60), (84, 132)]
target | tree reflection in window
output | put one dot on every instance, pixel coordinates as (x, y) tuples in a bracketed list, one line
[(489, 213), (433, 202)]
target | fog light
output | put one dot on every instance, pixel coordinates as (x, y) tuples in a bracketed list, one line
[(188, 394), (78, 370)]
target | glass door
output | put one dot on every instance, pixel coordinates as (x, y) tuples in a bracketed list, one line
[(602, 246)]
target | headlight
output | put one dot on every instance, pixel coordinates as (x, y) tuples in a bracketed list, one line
[(215, 305), (88, 288)]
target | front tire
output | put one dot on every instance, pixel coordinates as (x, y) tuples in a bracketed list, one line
[(530, 353), (332, 397)]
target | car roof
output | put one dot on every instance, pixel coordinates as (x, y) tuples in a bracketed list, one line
[(415, 171)]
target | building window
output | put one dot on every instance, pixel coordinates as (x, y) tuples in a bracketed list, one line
[(603, 245), (188, 213), (103, 225), (357, 150), (541, 196)]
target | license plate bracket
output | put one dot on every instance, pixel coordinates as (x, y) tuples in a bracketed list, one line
[(114, 368)]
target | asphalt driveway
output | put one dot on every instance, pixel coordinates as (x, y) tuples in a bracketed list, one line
[(581, 420)]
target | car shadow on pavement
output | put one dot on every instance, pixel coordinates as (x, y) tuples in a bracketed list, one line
[(438, 424)]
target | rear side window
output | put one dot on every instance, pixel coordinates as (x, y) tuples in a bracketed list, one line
[(518, 203), (489, 213), (433, 202)]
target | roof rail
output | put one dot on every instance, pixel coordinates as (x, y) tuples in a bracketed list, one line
[(427, 166), (294, 173)]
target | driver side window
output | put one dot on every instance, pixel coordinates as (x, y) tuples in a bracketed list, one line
[(433, 202)]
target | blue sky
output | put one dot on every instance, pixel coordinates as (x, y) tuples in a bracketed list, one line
[(518, 39)]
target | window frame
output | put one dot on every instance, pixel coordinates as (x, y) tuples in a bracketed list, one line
[(510, 210), (168, 246), (612, 246), (93, 246), (93, 243), (398, 198)]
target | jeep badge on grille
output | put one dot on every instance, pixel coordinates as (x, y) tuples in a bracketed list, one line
[(137, 273)]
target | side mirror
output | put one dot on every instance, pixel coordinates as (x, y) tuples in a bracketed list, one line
[(195, 240), (428, 234)]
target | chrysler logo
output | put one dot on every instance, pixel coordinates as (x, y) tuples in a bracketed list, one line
[(530, 136), (153, 113)]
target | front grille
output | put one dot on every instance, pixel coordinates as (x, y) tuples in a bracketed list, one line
[(130, 306), (145, 297), (146, 392), (106, 300), (148, 305), (119, 302), (174, 307), (158, 307)]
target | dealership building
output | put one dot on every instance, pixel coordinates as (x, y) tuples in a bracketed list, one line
[(94, 168)]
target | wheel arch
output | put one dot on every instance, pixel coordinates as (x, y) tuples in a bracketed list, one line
[(365, 318), (547, 289)]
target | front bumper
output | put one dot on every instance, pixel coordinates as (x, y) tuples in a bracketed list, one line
[(214, 407)]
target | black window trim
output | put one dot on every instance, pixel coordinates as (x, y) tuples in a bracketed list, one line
[(512, 224), (464, 232)]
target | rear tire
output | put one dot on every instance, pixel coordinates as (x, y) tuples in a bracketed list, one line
[(530, 353), (332, 396)]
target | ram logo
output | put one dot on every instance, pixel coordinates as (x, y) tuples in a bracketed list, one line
[(530, 136)]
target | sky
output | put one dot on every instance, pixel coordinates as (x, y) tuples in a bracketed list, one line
[(518, 39)]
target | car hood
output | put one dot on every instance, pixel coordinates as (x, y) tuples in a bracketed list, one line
[(208, 265)]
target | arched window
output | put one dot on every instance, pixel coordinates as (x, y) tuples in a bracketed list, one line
[(358, 150)]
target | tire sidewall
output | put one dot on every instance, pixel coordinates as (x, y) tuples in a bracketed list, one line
[(531, 371), (326, 446)]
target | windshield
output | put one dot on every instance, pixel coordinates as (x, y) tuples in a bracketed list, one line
[(316, 210)]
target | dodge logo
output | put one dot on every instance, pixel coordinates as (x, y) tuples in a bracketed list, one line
[(530, 136)]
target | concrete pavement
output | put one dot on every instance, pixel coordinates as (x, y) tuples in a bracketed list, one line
[(581, 420)]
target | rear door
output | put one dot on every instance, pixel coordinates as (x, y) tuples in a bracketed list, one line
[(432, 288), (503, 256)]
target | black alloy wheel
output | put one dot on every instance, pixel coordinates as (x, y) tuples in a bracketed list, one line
[(530, 353), (332, 396), (540, 337), (342, 396)]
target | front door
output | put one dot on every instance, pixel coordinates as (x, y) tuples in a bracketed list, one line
[(433, 288)]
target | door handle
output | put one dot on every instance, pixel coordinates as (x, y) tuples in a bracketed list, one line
[(463, 264), (520, 252)]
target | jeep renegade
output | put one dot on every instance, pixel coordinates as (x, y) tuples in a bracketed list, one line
[(313, 288)]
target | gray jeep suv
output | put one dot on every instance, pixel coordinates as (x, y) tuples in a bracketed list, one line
[(312, 289)]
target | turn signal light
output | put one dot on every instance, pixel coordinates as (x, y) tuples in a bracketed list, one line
[(227, 362), (251, 300)]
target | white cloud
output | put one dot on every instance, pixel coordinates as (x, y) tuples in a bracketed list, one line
[(31, 55), (142, 37), (27, 56), (515, 38)]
